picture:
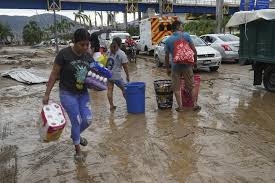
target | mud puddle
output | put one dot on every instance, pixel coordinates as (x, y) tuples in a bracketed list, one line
[(232, 139)]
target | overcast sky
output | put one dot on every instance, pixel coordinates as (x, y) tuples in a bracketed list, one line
[(68, 13)]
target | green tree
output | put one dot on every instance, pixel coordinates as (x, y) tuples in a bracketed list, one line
[(6, 34), (32, 33), (63, 29), (133, 31), (224, 22), (64, 26), (199, 27), (204, 25)]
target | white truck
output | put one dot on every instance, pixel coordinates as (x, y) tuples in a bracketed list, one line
[(153, 30)]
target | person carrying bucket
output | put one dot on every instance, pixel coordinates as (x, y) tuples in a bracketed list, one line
[(116, 60), (184, 57), (71, 66)]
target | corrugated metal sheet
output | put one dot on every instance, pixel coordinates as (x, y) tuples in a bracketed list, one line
[(24, 76)]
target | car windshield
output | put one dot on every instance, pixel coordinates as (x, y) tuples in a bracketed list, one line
[(121, 36), (228, 38), (198, 41)]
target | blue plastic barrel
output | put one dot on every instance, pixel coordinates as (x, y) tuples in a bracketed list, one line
[(135, 97)]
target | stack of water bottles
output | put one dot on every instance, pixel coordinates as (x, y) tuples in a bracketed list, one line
[(97, 77)]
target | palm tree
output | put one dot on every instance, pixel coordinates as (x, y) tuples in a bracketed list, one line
[(101, 17), (83, 18), (79, 16)]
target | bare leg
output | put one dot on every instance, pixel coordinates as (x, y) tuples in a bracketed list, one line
[(78, 155), (123, 91), (77, 149), (178, 99), (110, 95), (194, 97), (176, 88)]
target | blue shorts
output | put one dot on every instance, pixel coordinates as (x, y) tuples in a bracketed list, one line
[(119, 83)]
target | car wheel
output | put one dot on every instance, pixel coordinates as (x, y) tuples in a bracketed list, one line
[(269, 78), (214, 69), (158, 63)]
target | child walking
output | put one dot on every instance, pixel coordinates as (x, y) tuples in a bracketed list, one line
[(117, 60)]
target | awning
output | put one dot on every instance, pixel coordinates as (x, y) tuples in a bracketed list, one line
[(244, 17)]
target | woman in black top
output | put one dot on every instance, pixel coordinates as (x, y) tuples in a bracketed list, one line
[(71, 66)]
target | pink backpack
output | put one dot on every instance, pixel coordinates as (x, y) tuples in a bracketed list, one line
[(183, 54)]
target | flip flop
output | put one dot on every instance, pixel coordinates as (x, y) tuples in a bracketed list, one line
[(83, 141), (178, 109), (197, 108)]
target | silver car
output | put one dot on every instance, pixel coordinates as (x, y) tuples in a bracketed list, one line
[(207, 57), (226, 44)]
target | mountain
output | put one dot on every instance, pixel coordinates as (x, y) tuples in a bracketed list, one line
[(17, 23)]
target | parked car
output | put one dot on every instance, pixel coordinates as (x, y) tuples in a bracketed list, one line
[(207, 56), (226, 44), (107, 38)]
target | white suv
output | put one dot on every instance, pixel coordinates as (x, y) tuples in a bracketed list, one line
[(207, 56), (107, 38)]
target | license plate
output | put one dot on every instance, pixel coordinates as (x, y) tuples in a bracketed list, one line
[(206, 62)]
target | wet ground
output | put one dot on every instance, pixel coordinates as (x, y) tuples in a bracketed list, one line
[(232, 139)]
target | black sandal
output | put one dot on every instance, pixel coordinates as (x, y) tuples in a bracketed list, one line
[(83, 141), (178, 109), (197, 108)]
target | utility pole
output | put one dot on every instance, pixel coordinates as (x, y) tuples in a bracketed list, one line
[(160, 8), (54, 5), (55, 30), (219, 14)]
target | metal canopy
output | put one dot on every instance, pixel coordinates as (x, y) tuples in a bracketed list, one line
[(244, 17)]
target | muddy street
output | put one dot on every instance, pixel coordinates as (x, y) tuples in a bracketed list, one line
[(232, 139)]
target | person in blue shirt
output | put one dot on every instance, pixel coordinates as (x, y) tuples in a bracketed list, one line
[(180, 70)]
